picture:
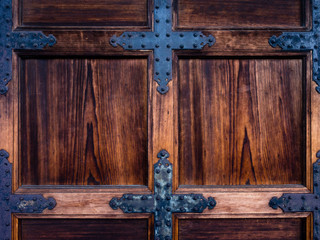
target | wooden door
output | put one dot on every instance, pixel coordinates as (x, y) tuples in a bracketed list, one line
[(83, 121)]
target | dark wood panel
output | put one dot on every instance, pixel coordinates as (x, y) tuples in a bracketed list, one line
[(84, 121), (54, 229), (241, 13), (85, 12), (248, 229), (241, 121)]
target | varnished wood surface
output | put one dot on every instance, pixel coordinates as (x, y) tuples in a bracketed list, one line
[(89, 229), (241, 13), (84, 121), (241, 121), (249, 229), (84, 12)]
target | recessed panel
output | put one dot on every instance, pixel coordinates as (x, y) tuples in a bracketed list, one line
[(84, 12), (241, 121), (86, 229), (241, 13), (246, 229), (83, 121)]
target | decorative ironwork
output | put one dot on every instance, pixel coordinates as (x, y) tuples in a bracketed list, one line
[(304, 41), (303, 202), (162, 203), (15, 40), (16, 203), (162, 41)]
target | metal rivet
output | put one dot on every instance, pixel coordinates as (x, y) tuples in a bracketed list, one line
[(157, 59), (168, 59), (157, 46), (195, 45), (168, 185), (157, 20), (157, 73), (143, 46), (168, 73), (130, 46), (168, 209), (168, 46), (157, 184), (303, 197), (7, 46), (158, 171), (8, 59), (129, 35), (157, 7), (181, 46), (195, 35), (168, 34), (157, 34), (167, 6), (7, 224), (143, 35), (181, 35), (210, 40), (168, 171), (167, 21), (144, 197), (7, 184)]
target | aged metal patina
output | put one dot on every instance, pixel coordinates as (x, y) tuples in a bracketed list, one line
[(162, 203), (16, 203), (162, 41), (10, 40), (304, 41), (303, 202)]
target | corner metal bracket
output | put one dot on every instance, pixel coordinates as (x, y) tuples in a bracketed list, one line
[(304, 41), (303, 202), (162, 41), (16, 203), (15, 40), (162, 203)]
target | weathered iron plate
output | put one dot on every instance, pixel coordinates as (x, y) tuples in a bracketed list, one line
[(162, 203), (162, 41), (16, 203), (15, 40), (302, 202), (304, 41)]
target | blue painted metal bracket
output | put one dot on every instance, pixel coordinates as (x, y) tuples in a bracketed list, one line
[(302, 202), (304, 41), (15, 40), (162, 203), (16, 203), (162, 41)]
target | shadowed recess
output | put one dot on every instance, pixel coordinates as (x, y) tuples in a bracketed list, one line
[(84, 229), (82, 122), (247, 229)]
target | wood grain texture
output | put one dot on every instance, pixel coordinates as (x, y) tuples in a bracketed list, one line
[(241, 14), (84, 121), (72, 229), (241, 121), (249, 229), (84, 12)]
